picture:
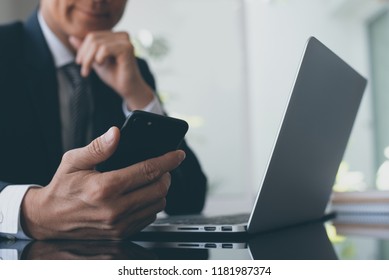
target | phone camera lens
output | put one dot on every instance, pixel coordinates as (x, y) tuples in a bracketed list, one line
[(149, 123)]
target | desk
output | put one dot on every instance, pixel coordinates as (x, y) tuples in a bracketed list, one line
[(311, 241)]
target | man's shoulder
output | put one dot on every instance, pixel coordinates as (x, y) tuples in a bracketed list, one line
[(11, 29), (11, 35)]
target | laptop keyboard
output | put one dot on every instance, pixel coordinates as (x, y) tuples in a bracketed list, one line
[(199, 220)]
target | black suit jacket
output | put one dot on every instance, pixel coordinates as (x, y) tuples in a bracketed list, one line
[(30, 128)]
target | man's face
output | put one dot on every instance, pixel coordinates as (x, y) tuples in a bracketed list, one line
[(79, 17)]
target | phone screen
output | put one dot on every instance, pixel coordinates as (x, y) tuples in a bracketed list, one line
[(143, 136)]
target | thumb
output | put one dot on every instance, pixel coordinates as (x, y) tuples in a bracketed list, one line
[(96, 152)]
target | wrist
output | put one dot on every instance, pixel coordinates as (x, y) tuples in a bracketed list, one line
[(138, 96), (30, 215)]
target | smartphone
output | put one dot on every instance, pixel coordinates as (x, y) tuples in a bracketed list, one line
[(145, 135)]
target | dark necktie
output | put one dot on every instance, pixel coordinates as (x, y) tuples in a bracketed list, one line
[(79, 105)]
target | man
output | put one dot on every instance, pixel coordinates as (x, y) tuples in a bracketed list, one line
[(37, 126)]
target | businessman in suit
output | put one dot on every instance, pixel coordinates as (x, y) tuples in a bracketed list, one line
[(49, 187)]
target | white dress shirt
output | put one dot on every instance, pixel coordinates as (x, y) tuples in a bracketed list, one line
[(11, 197)]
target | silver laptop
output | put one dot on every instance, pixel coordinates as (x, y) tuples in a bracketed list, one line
[(306, 155)]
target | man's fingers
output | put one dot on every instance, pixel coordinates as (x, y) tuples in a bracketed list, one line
[(143, 173), (135, 222), (96, 152), (75, 42), (87, 60), (143, 197), (82, 51), (150, 170), (98, 46), (102, 54)]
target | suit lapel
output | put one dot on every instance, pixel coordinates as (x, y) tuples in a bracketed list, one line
[(43, 89)]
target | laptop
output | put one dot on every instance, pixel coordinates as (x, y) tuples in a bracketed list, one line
[(309, 147)]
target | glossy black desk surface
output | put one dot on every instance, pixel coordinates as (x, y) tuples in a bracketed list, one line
[(311, 241)]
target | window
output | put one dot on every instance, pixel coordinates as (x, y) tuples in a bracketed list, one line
[(378, 29)]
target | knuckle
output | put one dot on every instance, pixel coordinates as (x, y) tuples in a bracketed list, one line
[(100, 196), (124, 35), (68, 156), (99, 193), (91, 37), (110, 218), (168, 178), (130, 48), (150, 171), (118, 231), (159, 191), (96, 196), (104, 49), (164, 185)]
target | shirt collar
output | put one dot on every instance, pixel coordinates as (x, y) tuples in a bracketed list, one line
[(61, 54)]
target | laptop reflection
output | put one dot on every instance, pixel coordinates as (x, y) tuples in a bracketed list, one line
[(305, 242)]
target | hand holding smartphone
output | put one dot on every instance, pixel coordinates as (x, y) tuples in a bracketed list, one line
[(145, 135)]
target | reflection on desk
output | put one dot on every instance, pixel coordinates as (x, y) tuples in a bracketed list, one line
[(304, 242), (361, 235), (86, 250), (307, 242)]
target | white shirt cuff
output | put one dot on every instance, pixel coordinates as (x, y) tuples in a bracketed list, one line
[(9, 254), (12, 250), (153, 107), (10, 201)]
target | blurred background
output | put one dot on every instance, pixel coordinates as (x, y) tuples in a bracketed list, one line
[(227, 67)]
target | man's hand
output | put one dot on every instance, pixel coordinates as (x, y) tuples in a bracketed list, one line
[(82, 203), (86, 250), (112, 57)]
